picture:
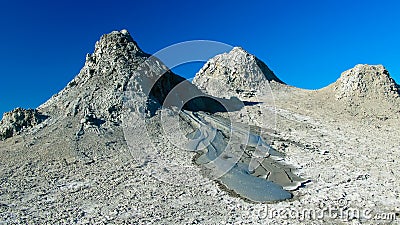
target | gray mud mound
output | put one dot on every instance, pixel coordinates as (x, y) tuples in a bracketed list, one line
[(236, 73), (366, 91), (366, 82)]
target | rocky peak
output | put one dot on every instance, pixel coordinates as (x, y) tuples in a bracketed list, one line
[(95, 95), (116, 42), (237, 73), (99, 86), (240, 52), (366, 82)]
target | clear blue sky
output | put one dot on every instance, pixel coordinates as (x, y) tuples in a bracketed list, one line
[(306, 43)]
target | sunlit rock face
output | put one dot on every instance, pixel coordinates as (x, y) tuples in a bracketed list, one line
[(366, 81), (366, 91), (18, 120), (236, 73)]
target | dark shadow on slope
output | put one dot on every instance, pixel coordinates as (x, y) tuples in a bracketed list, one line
[(171, 90), (267, 72), (92, 120), (41, 117), (247, 103), (213, 105)]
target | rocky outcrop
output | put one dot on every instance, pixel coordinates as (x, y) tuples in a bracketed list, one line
[(237, 73), (99, 86), (18, 120), (365, 91), (366, 82)]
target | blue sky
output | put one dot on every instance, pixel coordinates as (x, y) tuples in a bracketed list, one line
[(306, 43)]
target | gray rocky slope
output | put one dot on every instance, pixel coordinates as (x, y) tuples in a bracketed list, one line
[(70, 161)]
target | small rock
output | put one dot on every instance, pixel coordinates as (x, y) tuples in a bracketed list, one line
[(18, 120)]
